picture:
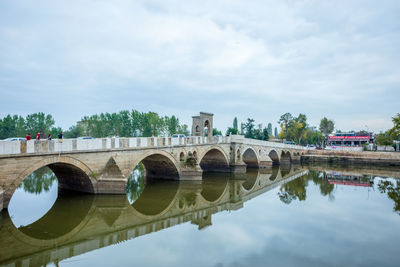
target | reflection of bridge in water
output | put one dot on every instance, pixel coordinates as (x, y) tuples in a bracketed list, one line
[(79, 224)]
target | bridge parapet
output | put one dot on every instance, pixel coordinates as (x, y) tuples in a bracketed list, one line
[(75, 145), (249, 141)]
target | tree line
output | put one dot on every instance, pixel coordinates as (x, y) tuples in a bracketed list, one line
[(124, 124), (388, 137), (128, 123), (295, 129)]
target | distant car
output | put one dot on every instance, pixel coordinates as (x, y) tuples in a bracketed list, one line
[(178, 135), (290, 143), (85, 137), (15, 139)]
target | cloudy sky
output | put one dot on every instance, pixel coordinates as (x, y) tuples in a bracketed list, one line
[(256, 59)]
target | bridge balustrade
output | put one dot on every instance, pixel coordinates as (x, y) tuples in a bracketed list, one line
[(70, 145)]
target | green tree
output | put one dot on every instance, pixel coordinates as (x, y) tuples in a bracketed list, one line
[(269, 128), (74, 132), (395, 131), (298, 128), (276, 132), (284, 121), (249, 128), (172, 124), (234, 129), (384, 139), (12, 126), (235, 125), (216, 132), (326, 127), (39, 122), (184, 129)]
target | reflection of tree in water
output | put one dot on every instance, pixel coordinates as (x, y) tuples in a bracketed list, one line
[(136, 183), (393, 191), (293, 190), (39, 181), (320, 178), (296, 189)]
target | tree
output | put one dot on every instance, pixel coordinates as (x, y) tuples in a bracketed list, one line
[(326, 127), (74, 132), (184, 129), (269, 128), (300, 127), (276, 132), (12, 126), (266, 134), (39, 122), (172, 124), (216, 132), (234, 129), (395, 131), (383, 139), (235, 125), (249, 127), (284, 121)]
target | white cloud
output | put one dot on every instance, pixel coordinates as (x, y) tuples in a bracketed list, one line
[(260, 58)]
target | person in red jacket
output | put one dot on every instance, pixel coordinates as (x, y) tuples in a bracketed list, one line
[(38, 136), (28, 137)]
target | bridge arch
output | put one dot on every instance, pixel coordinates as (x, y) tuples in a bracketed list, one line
[(286, 157), (274, 156), (159, 164), (250, 157), (214, 159)]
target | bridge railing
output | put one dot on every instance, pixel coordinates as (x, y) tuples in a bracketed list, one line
[(249, 141), (70, 145)]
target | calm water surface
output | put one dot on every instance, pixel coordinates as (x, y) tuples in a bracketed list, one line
[(293, 216)]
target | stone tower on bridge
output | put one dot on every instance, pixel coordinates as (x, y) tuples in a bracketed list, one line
[(203, 124)]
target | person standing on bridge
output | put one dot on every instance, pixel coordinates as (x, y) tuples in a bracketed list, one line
[(60, 137), (38, 136), (28, 137)]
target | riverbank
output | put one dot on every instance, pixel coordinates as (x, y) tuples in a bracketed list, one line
[(351, 157)]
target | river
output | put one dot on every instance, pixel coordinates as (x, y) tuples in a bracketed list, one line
[(288, 216)]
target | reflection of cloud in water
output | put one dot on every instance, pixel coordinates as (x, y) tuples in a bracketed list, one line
[(34, 197)]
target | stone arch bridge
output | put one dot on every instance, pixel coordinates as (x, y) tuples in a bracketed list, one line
[(103, 165)]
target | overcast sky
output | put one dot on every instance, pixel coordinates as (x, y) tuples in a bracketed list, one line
[(255, 59)]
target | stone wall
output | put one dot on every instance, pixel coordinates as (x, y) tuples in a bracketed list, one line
[(356, 158)]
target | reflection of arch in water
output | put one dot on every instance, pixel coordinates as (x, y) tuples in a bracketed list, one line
[(214, 186), (286, 157), (285, 170), (251, 180), (68, 216), (250, 158), (274, 157), (214, 160), (275, 171), (159, 165), (156, 198)]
